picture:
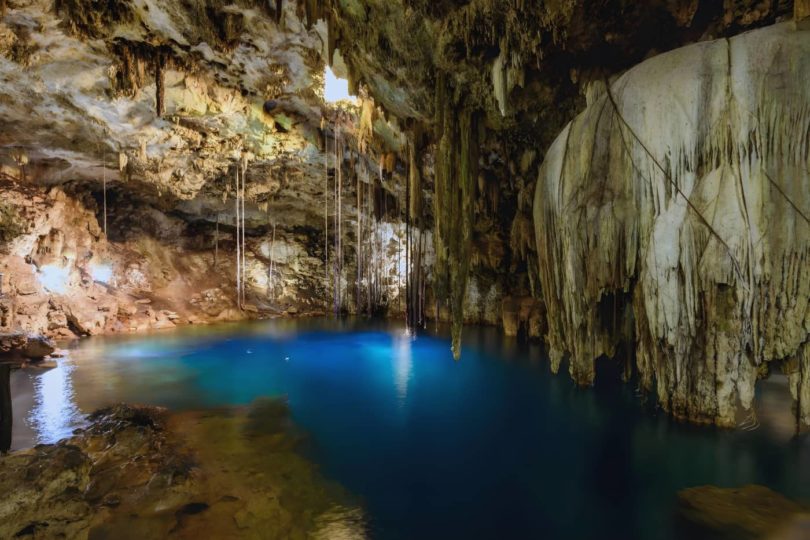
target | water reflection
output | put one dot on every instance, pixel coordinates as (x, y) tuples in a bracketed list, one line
[(403, 364), (55, 414), (6, 414)]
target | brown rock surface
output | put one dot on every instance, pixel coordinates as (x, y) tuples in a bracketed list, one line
[(746, 513), (138, 472)]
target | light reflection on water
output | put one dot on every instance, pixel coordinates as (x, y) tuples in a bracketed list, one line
[(55, 414), (490, 446), (403, 363)]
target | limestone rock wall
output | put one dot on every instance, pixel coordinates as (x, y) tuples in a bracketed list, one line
[(158, 105), (63, 278), (672, 216)]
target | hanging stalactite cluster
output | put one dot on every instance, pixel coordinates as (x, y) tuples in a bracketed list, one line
[(416, 274), (454, 201)]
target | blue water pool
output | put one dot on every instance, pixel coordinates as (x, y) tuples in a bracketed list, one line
[(491, 446)]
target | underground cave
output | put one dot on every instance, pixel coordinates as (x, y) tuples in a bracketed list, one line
[(397, 269)]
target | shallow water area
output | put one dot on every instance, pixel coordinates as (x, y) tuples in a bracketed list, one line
[(489, 446)]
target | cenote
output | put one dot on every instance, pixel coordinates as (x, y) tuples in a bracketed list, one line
[(490, 446), (218, 219)]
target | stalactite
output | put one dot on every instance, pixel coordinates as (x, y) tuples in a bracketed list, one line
[(409, 313), (272, 280), (413, 218), (312, 12), (700, 227), (462, 237), (331, 38), (325, 207), (400, 216), (370, 254), (159, 85), (365, 132), (338, 257), (238, 244), (455, 183), (443, 217), (104, 190), (358, 243), (244, 245)]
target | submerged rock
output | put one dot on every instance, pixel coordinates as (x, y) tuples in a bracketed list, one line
[(43, 492), (141, 472), (749, 512), (668, 216)]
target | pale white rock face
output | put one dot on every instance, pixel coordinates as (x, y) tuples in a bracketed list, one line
[(675, 225)]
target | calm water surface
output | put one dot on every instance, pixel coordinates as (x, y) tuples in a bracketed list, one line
[(492, 446)]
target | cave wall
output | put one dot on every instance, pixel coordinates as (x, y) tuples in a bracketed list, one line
[(677, 203), (139, 116), (458, 105)]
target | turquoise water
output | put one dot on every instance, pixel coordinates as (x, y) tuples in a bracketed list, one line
[(491, 446)]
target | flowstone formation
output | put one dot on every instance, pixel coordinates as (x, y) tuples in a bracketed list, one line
[(672, 217)]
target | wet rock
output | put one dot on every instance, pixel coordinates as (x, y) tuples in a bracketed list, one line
[(12, 342), (38, 347), (43, 492), (138, 472), (21, 345)]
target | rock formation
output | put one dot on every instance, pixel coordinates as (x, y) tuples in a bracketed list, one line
[(126, 125), (671, 215)]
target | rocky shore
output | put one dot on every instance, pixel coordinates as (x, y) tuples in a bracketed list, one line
[(142, 472)]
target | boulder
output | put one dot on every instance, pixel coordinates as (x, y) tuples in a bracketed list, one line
[(38, 347), (19, 344)]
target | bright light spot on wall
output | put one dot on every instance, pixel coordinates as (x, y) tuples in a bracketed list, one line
[(54, 278), (335, 89), (101, 272)]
